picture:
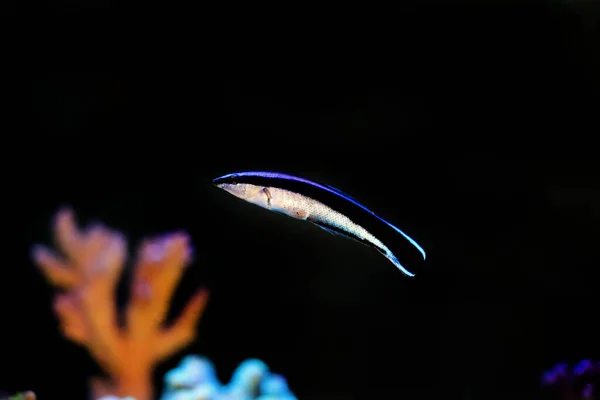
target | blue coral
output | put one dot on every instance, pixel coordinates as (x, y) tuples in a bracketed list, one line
[(195, 379)]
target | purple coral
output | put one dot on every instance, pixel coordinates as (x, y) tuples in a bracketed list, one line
[(578, 382)]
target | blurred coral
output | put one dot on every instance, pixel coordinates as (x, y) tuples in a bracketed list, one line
[(580, 382), (195, 379), (115, 398), (88, 272), (28, 395)]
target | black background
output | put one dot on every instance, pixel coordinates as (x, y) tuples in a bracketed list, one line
[(471, 127)]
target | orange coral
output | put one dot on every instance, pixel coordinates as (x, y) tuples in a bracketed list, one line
[(29, 395), (89, 271)]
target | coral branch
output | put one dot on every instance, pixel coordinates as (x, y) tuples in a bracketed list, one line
[(158, 269), (89, 271), (181, 332), (56, 270), (73, 326)]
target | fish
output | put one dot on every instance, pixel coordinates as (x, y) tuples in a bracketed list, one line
[(326, 207)]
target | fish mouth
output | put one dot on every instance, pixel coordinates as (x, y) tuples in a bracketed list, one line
[(222, 179), (221, 182), (225, 180), (218, 182)]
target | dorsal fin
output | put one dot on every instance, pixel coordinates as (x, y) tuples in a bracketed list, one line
[(338, 191)]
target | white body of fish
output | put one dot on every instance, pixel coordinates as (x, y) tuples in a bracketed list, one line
[(299, 206), (302, 207)]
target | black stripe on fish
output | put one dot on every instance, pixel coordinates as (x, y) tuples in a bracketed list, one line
[(334, 230)]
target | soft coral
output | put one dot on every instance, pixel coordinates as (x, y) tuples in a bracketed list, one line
[(89, 270)]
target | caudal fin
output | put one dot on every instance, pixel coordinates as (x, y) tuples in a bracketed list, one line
[(390, 256)]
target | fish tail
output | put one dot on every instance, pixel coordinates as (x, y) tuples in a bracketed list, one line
[(390, 256), (408, 238)]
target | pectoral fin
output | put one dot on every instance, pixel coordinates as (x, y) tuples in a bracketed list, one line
[(269, 196)]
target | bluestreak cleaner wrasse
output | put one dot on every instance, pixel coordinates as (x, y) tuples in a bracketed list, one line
[(326, 207)]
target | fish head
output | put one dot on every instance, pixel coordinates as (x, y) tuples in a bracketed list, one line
[(244, 191)]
